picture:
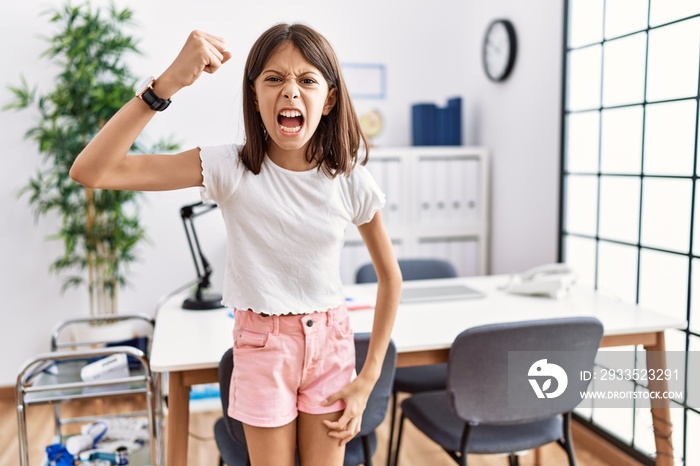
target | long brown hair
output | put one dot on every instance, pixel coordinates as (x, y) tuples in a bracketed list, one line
[(336, 142)]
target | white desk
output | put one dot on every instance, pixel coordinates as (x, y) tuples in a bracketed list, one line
[(189, 344)]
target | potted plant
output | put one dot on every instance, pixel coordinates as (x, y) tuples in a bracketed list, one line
[(100, 229)]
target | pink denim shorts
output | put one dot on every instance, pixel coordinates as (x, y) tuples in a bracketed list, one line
[(290, 363)]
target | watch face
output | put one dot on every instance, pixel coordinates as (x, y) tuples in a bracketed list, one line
[(144, 85), (499, 50)]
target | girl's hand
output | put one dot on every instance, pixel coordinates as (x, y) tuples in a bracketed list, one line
[(201, 52), (355, 394)]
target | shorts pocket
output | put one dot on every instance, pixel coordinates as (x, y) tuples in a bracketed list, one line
[(343, 343), (246, 339), (343, 328)]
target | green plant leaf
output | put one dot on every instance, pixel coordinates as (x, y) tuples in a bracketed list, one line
[(100, 229)]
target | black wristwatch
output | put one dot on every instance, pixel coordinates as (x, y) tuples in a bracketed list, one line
[(145, 92)]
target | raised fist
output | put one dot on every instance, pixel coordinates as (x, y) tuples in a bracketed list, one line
[(201, 52)]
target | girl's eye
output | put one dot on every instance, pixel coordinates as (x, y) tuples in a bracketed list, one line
[(273, 79), (308, 81)]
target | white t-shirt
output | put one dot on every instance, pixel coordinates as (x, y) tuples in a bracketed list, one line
[(285, 230)]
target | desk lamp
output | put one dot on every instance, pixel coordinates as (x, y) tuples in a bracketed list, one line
[(202, 300)]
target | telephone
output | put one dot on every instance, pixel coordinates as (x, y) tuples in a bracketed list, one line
[(553, 280)]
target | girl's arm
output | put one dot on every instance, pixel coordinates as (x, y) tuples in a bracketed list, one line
[(388, 294), (389, 280), (105, 164)]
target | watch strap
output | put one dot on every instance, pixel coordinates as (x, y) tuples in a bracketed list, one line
[(153, 101)]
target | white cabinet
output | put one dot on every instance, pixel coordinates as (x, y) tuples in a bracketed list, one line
[(437, 206)]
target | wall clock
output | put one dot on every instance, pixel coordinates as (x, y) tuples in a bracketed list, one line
[(499, 50)]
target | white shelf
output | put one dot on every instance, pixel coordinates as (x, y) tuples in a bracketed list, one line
[(437, 206)]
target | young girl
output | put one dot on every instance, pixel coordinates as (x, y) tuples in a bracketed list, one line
[(287, 195)]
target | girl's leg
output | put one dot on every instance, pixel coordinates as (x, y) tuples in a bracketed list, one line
[(316, 448), (271, 446)]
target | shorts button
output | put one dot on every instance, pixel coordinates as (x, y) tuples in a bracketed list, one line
[(310, 323)]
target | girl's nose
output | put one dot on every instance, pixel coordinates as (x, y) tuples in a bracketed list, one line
[(291, 90)]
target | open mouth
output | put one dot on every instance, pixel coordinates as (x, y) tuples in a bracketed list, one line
[(290, 121)]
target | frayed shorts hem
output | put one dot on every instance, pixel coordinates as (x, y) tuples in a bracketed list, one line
[(264, 422), (284, 420), (314, 410)]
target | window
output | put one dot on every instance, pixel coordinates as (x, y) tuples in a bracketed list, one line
[(631, 195)]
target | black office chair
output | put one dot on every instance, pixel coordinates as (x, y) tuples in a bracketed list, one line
[(417, 379), (411, 269), (490, 405), (230, 437)]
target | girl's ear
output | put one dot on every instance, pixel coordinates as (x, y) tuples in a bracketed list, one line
[(330, 101)]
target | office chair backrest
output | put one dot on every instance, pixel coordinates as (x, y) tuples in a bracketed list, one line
[(411, 269), (482, 388), (378, 401), (376, 404), (235, 428)]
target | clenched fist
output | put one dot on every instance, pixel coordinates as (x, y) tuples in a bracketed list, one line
[(201, 52)]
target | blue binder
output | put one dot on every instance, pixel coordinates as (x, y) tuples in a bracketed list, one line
[(454, 122), (433, 126), (424, 122)]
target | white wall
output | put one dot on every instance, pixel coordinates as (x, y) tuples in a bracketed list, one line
[(431, 51), (518, 121)]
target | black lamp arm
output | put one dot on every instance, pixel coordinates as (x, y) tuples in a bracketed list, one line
[(202, 267)]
